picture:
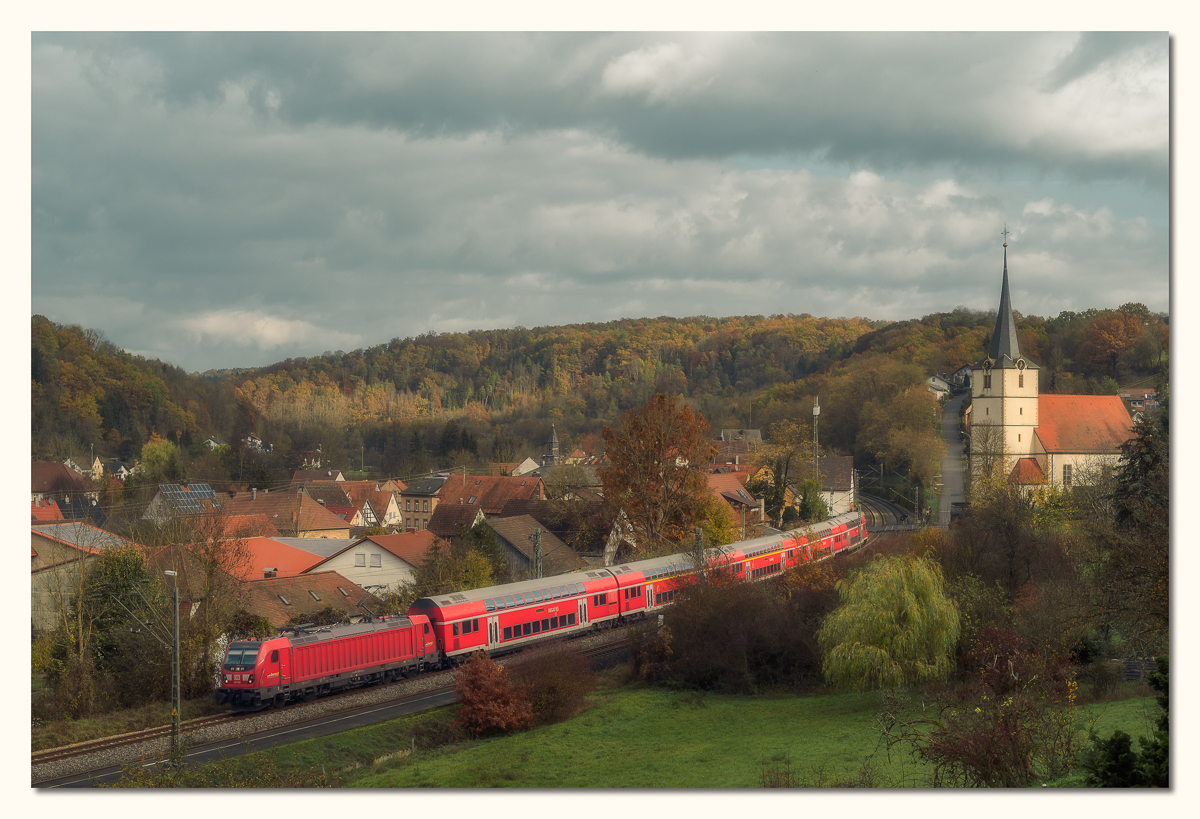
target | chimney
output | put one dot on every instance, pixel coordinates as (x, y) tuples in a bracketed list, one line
[(253, 493)]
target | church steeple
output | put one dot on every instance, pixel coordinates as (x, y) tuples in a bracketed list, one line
[(1004, 339)]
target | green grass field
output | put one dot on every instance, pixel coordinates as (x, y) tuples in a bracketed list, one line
[(650, 738)]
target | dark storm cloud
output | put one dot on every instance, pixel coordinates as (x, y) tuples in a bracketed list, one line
[(221, 200)]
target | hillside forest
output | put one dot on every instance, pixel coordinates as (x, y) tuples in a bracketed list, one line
[(444, 401)]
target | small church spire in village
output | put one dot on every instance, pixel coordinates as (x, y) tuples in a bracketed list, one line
[(1004, 339)]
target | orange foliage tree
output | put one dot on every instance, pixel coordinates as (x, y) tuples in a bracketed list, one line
[(654, 472), (1108, 337)]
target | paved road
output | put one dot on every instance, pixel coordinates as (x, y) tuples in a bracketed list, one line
[(952, 468)]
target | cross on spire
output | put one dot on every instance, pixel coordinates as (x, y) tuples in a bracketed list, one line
[(1005, 233)]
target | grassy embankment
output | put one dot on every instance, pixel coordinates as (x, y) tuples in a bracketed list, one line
[(649, 738)]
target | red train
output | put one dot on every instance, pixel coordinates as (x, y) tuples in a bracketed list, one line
[(443, 630)]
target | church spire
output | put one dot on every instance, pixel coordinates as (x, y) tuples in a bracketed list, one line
[(1004, 339)]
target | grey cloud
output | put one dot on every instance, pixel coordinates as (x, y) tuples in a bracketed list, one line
[(226, 200)]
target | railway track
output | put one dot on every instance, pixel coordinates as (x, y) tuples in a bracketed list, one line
[(606, 648), (885, 516)]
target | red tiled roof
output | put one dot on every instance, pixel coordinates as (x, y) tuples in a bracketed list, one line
[(249, 526), (264, 596), (411, 547), (287, 561), (489, 491), (288, 511), (1083, 423), (1026, 472), (46, 510), (730, 488)]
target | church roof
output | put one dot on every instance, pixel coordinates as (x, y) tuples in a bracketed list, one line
[(1004, 339), (1025, 472), (1096, 424)]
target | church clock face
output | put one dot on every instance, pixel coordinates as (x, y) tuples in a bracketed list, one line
[(1021, 364)]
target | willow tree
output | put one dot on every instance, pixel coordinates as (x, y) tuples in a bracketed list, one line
[(895, 626)]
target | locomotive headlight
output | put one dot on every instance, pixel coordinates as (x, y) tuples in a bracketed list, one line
[(227, 679), (250, 678)]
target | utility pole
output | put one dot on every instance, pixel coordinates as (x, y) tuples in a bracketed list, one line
[(175, 703), (536, 537), (816, 464)]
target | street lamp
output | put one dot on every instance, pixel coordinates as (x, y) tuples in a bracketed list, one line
[(175, 704)]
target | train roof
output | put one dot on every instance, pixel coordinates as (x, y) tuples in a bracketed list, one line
[(521, 586), (303, 635)]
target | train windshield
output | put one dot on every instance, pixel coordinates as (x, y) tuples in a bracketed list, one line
[(241, 659)]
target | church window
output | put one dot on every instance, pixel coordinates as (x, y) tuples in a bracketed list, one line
[(1020, 379), (1020, 410), (1018, 437), (987, 410), (1066, 474), (987, 382)]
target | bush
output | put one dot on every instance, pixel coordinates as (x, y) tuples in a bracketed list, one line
[(488, 705), (555, 679)]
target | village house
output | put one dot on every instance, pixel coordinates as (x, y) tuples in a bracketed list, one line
[(380, 561)]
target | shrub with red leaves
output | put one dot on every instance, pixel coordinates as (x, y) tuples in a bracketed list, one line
[(488, 705)]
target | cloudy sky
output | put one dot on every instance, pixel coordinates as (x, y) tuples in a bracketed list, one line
[(233, 200)]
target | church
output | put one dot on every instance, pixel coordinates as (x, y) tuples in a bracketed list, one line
[(1037, 439)]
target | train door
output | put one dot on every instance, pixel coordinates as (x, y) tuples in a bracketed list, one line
[(493, 631), (649, 591), (582, 612)]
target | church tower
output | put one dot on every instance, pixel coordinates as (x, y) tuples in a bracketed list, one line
[(1004, 394), (551, 456)]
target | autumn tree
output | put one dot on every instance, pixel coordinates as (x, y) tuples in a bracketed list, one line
[(554, 678), (488, 704), (895, 627), (655, 471), (1108, 337), (786, 453)]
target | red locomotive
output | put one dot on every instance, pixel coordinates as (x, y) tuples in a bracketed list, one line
[(443, 630), (258, 674)]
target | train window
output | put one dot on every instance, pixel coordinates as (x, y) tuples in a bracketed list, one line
[(657, 598), (571, 588), (426, 625), (475, 625), (526, 629), (564, 591), (546, 624), (508, 601), (537, 626), (275, 656), (547, 595), (489, 604), (571, 619), (454, 630), (537, 596), (555, 593), (508, 632), (553, 623), (528, 598)]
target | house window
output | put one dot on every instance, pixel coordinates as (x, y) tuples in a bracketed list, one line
[(424, 506), (343, 591), (408, 506), (314, 595), (286, 602), (1066, 474), (376, 561), (360, 560)]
